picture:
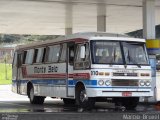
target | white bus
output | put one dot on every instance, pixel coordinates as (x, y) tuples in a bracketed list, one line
[(84, 68)]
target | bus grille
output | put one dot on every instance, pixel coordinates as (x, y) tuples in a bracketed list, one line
[(125, 74), (119, 82)]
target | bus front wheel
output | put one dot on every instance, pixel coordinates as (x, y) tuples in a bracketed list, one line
[(130, 103), (82, 100), (35, 99)]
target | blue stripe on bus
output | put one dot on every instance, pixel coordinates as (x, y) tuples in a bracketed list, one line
[(86, 82), (58, 82), (53, 82), (72, 83)]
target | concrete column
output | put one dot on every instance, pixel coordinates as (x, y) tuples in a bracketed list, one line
[(68, 19), (68, 31), (149, 19), (149, 35), (101, 18)]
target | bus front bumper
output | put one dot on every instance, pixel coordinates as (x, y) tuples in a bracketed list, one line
[(119, 93)]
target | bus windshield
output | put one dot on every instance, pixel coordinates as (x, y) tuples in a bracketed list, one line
[(119, 52), (135, 53)]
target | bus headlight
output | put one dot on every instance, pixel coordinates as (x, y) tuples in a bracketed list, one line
[(108, 82), (100, 82), (147, 83), (141, 83)]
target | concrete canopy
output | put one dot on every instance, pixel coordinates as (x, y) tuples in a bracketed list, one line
[(47, 17)]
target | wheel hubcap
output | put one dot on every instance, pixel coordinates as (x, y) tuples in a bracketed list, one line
[(83, 96)]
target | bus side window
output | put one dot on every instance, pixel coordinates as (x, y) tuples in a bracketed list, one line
[(82, 62), (54, 53), (29, 56), (43, 55), (39, 56), (35, 55), (71, 55), (15, 59), (87, 52), (19, 59), (63, 53), (24, 57)]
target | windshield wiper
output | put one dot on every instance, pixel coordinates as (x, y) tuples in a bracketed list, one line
[(132, 60), (135, 62)]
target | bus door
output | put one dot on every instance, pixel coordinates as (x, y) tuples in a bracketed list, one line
[(14, 72), (19, 64), (70, 62)]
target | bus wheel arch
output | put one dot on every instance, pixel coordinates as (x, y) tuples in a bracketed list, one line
[(34, 99), (29, 86), (81, 97), (78, 86)]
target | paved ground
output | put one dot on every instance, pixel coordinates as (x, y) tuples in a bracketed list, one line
[(17, 107), (7, 95)]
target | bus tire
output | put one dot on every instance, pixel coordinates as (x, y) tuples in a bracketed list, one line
[(68, 101), (35, 99), (130, 103), (82, 100)]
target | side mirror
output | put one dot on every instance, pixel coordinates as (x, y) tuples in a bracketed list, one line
[(82, 52)]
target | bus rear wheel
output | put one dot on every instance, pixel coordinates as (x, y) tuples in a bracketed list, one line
[(130, 103), (82, 100), (35, 99)]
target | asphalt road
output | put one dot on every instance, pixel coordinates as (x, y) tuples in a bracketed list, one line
[(17, 107)]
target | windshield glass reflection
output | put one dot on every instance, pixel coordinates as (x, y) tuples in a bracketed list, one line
[(134, 53), (107, 52), (116, 52)]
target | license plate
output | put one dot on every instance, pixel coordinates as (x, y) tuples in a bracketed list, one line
[(125, 94)]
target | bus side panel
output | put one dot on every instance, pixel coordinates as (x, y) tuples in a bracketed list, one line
[(21, 82), (47, 79), (14, 85), (71, 90), (51, 91)]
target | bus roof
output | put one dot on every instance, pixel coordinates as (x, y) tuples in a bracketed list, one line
[(85, 36)]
